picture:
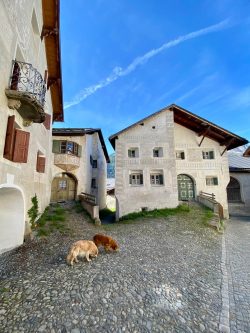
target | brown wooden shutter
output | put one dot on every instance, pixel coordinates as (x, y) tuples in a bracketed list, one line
[(40, 164), (47, 121), (21, 146), (9, 139)]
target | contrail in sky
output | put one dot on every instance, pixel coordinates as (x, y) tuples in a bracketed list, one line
[(119, 71)]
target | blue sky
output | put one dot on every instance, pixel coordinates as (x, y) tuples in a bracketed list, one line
[(125, 59)]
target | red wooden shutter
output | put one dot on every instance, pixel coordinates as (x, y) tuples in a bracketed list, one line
[(9, 139), (40, 165), (21, 146), (47, 121)]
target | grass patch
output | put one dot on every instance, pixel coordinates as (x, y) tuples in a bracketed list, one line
[(207, 215), (156, 213), (105, 212), (51, 220)]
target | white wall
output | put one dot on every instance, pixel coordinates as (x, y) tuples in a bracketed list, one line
[(146, 138), (17, 40), (195, 166)]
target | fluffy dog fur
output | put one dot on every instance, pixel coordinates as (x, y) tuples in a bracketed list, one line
[(82, 248), (106, 241)]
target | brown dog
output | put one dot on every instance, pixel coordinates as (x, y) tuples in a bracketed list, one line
[(82, 248), (106, 241)]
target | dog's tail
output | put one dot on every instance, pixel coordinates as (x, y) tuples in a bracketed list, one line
[(70, 256)]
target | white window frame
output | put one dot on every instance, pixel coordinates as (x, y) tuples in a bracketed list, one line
[(156, 178), (179, 154), (212, 181), (136, 178), (208, 154), (159, 151), (133, 152)]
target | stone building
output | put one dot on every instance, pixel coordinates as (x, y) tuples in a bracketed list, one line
[(238, 189), (80, 164), (169, 157), (30, 99)]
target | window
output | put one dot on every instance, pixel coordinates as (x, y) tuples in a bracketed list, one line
[(16, 143), (66, 147), (180, 155), (62, 185), (208, 154), (93, 183), (40, 163), (136, 178), (94, 164), (156, 177), (133, 152), (210, 181), (157, 152)]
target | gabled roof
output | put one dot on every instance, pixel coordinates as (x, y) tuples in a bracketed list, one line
[(237, 162), (195, 123), (82, 132)]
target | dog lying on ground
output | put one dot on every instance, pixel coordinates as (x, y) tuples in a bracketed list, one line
[(106, 241), (82, 248)]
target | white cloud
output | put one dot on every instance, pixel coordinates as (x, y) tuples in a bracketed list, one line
[(119, 71)]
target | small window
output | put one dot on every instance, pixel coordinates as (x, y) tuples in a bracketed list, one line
[(208, 154), (93, 183), (133, 152), (158, 152), (68, 147), (62, 184), (40, 163), (136, 178), (211, 181), (94, 164), (180, 155), (156, 178)]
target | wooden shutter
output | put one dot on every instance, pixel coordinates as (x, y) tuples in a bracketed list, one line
[(40, 164), (161, 179), (215, 181), (9, 139), (130, 179), (47, 121), (15, 77), (79, 151), (182, 155), (56, 146), (141, 178), (211, 155), (21, 146)]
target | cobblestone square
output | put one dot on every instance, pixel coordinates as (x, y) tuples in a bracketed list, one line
[(167, 277)]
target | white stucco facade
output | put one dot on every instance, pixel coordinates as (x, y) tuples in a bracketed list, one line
[(83, 171), (170, 139), (20, 28)]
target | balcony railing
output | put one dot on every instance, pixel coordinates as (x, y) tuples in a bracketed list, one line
[(67, 162), (27, 91)]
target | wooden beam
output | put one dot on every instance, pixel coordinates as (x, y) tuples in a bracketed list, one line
[(204, 132), (223, 151), (227, 142), (49, 32)]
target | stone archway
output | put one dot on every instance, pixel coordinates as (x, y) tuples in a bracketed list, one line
[(63, 187), (12, 218), (185, 187), (233, 190)]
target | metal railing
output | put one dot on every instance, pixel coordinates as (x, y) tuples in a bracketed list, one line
[(27, 79), (88, 198)]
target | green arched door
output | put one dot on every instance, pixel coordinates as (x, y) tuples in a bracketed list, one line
[(185, 187)]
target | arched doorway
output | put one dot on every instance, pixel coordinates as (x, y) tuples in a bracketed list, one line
[(185, 187), (12, 218), (233, 190), (63, 187)]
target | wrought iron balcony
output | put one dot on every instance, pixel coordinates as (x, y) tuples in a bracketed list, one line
[(67, 162), (26, 92)]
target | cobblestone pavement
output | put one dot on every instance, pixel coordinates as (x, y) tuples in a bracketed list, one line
[(165, 278), (237, 240)]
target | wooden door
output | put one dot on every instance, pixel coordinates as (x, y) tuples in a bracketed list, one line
[(185, 187), (63, 188)]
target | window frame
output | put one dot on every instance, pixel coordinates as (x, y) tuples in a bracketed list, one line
[(159, 151), (135, 150), (136, 178), (208, 154), (213, 179), (181, 156), (157, 178)]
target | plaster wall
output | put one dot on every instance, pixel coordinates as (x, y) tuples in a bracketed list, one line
[(18, 40), (198, 168), (157, 131), (244, 180)]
